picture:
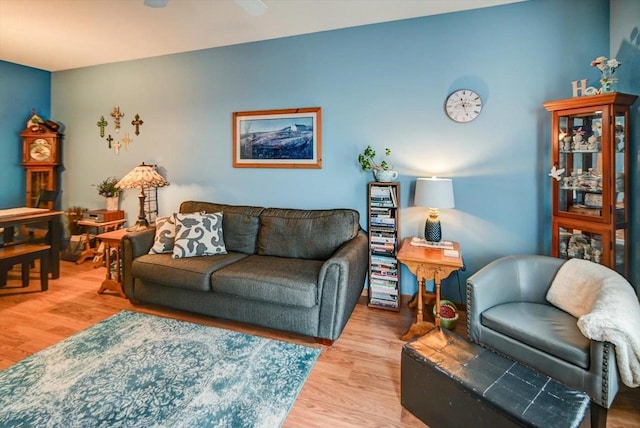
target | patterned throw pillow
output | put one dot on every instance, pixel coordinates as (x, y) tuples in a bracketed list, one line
[(165, 235), (198, 234)]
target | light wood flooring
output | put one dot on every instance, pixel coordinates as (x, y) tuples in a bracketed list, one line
[(355, 383)]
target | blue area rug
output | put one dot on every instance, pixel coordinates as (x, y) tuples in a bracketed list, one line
[(141, 370)]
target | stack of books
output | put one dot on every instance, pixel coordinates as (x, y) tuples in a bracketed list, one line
[(384, 281)]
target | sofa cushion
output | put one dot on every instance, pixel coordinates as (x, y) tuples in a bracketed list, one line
[(278, 280), (541, 326), (198, 234), (305, 234), (165, 235), (239, 224), (192, 273)]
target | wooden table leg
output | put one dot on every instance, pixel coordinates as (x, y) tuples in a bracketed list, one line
[(420, 327), (436, 280), (109, 283), (88, 251)]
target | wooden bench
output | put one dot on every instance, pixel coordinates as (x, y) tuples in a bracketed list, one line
[(447, 381), (24, 254)]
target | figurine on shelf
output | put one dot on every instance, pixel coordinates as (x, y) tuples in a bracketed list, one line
[(597, 255), (592, 143), (567, 144)]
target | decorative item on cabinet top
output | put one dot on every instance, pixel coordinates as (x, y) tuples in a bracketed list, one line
[(608, 81), (117, 143)]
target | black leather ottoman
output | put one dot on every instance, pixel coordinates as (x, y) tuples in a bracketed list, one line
[(447, 381)]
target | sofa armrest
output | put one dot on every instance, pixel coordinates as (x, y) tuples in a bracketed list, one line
[(134, 245), (522, 278), (340, 285)]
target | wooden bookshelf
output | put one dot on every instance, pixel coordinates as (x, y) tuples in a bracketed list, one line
[(383, 216)]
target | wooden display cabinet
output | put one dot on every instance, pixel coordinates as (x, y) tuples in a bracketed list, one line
[(590, 141)]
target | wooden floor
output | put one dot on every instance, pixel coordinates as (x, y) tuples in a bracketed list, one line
[(355, 383)]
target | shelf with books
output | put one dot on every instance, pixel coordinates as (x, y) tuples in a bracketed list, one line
[(384, 234)]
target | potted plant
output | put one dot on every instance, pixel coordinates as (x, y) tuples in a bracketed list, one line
[(382, 171), (448, 314), (108, 189)]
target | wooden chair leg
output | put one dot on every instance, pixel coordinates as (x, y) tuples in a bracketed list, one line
[(25, 274), (3, 275), (44, 271), (598, 416)]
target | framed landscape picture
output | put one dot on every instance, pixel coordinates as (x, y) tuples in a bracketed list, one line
[(288, 138)]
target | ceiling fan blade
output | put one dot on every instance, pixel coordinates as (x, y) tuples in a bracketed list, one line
[(253, 7), (156, 3)]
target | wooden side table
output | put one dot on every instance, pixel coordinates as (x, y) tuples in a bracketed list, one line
[(427, 264), (112, 240), (106, 226)]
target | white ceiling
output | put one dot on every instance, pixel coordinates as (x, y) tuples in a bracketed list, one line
[(58, 35)]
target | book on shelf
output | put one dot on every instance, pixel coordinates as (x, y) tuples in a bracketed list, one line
[(383, 290), (382, 282), (384, 260), (375, 275), (384, 303)]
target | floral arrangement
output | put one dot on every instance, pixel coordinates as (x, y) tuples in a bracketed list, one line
[(107, 188), (367, 162), (607, 67)]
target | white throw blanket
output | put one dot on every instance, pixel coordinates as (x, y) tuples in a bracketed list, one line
[(607, 309)]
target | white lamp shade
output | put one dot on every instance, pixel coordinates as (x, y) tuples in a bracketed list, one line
[(434, 193)]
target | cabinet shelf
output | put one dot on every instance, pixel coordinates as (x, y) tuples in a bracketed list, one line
[(590, 209)]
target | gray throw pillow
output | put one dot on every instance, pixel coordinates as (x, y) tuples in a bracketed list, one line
[(165, 235), (198, 234)]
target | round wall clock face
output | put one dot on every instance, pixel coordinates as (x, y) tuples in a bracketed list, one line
[(463, 105), (40, 150)]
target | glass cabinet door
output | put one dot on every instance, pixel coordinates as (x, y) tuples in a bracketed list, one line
[(574, 243), (580, 153)]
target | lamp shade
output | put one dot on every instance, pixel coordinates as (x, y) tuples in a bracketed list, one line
[(142, 176), (434, 193)]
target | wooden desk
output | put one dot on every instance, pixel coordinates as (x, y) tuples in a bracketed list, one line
[(112, 240), (89, 252), (10, 218), (427, 264)]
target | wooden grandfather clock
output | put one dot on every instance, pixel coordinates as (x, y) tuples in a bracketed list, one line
[(40, 158)]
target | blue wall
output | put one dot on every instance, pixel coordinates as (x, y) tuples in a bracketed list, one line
[(21, 89), (382, 85), (625, 46)]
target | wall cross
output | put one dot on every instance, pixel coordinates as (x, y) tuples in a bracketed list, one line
[(126, 140), (116, 117), (109, 140), (137, 123), (101, 124)]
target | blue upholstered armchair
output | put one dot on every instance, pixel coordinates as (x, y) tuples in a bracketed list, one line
[(508, 312)]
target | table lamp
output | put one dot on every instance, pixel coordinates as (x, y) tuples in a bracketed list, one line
[(142, 176), (434, 193)]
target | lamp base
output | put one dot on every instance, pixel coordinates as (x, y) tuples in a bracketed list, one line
[(432, 230), (141, 224)]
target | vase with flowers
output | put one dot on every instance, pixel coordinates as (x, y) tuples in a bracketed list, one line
[(111, 193), (607, 68)]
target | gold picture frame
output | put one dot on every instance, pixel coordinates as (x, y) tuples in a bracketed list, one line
[(288, 138)]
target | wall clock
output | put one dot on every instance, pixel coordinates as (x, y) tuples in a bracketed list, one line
[(40, 150), (463, 105)]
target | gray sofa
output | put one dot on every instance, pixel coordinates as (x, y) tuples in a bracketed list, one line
[(507, 311), (294, 270)]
